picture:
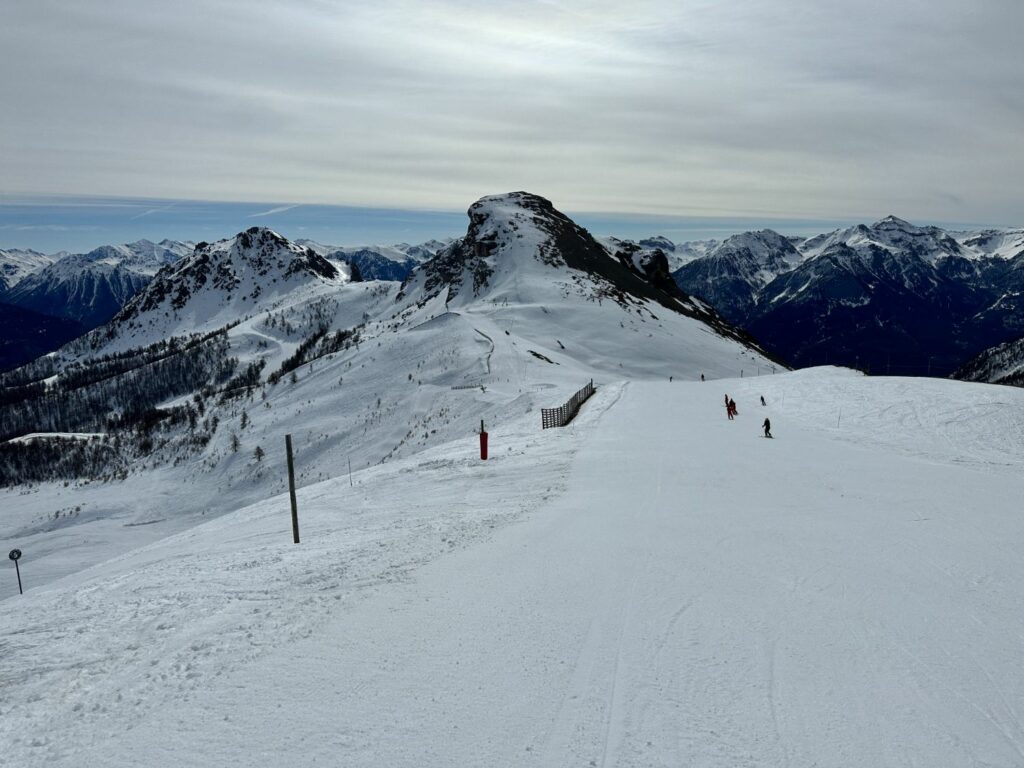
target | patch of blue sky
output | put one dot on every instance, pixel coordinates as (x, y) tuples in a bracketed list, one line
[(78, 224)]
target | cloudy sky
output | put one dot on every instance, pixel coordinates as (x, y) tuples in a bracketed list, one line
[(750, 108)]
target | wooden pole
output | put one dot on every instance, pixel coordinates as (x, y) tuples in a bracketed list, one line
[(291, 488)]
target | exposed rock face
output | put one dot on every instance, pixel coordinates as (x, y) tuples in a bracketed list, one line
[(519, 241)]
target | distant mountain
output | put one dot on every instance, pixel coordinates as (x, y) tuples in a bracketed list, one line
[(891, 297), (380, 262), (17, 264), (91, 288), (217, 284), (78, 288), (377, 263), (731, 275), (142, 256), (676, 254), (1002, 364), (27, 334)]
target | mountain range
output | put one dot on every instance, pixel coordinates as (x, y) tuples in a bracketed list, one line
[(890, 297), (228, 349), (64, 295)]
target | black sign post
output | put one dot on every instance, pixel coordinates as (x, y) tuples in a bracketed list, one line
[(291, 488), (14, 555)]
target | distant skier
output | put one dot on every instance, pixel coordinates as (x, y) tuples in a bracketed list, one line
[(669, 379), (767, 428), (730, 409), (762, 400), (702, 377)]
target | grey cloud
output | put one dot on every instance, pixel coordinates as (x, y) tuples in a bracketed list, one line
[(837, 109)]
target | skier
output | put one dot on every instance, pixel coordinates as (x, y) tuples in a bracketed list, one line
[(730, 409), (702, 377), (669, 379), (762, 400), (767, 427)]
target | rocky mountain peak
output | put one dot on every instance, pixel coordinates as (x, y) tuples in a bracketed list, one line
[(658, 241), (241, 269), (519, 247), (894, 222)]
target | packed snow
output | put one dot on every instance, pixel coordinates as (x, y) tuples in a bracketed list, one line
[(652, 585)]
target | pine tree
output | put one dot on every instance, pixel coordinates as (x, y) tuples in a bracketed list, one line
[(258, 454)]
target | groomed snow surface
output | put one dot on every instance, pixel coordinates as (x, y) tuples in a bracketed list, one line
[(652, 586)]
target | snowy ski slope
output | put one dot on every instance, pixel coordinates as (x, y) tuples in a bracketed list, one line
[(654, 585)]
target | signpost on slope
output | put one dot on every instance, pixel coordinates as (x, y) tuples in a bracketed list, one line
[(291, 488), (15, 555)]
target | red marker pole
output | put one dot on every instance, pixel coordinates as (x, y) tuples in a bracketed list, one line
[(483, 442)]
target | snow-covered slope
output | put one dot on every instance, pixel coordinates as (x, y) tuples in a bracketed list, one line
[(1002, 364), (218, 284), (655, 585), (142, 256), (92, 287), (998, 243), (79, 288), (521, 251), (895, 235), (17, 264)]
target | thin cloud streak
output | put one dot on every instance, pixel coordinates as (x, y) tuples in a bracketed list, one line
[(279, 209)]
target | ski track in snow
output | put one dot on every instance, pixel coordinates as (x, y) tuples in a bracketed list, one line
[(252, 592), (652, 585)]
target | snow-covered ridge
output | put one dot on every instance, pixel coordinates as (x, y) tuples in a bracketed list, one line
[(142, 256), (220, 283), (930, 244), (1001, 364), (889, 296), (89, 288), (17, 264)]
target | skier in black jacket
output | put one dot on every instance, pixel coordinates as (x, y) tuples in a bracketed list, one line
[(767, 428)]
